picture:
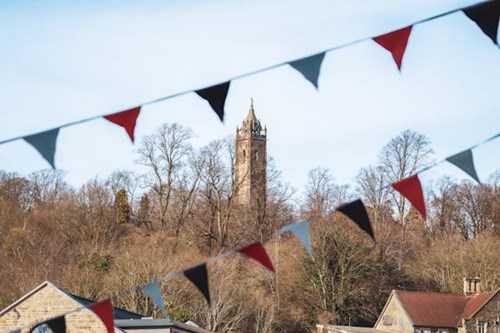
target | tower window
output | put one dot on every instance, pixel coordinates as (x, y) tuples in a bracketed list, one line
[(244, 153)]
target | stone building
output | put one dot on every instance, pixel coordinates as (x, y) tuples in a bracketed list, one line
[(48, 301), (251, 161), (433, 312)]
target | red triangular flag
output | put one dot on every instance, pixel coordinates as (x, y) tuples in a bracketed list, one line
[(126, 119), (257, 252), (411, 189), (395, 42), (104, 310)]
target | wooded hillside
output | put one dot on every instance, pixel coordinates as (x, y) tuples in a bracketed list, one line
[(115, 234)]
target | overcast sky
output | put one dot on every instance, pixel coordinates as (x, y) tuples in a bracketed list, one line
[(63, 61)]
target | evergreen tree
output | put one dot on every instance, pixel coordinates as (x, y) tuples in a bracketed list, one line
[(121, 207), (143, 216)]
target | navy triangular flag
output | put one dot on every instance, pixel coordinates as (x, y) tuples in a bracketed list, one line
[(216, 97), (45, 143), (154, 292), (199, 277), (465, 162), (356, 211), (57, 325), (309, 67), (486, 16)]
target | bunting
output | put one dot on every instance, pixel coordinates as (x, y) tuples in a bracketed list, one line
[(356, 211), (465, 162), (310, 67), (199, 277), (57, 325), (395, 42), (126, 119), (153, 291), (257, 252), (302, 232), (411, 189), (216, 97), (104, 310), (45, 143), (486, 16)]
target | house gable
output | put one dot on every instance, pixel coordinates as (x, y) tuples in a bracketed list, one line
[(394, 317), (485, 310), (48, 301)]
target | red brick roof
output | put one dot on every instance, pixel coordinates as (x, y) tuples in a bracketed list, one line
[(475, 303), (431, 309)]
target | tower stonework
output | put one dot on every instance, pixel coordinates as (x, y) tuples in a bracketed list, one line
[(251, 161)]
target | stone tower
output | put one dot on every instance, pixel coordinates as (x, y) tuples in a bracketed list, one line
[(251, 161)]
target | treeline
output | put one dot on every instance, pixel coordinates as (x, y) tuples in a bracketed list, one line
[(125, 231)]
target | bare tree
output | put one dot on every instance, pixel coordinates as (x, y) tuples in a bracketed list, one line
[(219, 189), (320, 190), (164, 152), (402, 157)]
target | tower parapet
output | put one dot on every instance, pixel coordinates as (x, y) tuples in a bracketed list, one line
[(251, 125)]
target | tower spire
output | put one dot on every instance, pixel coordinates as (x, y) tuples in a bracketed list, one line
[(251, 118)]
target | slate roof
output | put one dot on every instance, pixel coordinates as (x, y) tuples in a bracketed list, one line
[(117, 312)]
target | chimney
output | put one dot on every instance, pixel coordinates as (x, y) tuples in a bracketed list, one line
[(472, 285)]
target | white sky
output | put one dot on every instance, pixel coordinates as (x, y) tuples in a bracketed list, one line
[(63, 61)]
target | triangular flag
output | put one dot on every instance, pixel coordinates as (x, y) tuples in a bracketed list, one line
[(45, 143), (57, 325), (154, 292), (257, 252), (411, 189), (395, 42), (486, 17), (356, 211), (309, 67), (126, 119), (199, 277), (465, 162), (301, 231), (216, 97), (104, 310)]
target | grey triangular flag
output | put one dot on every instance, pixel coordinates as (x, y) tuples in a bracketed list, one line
[(465, 162), (301, 231), (309, 67), (154, 292), (45, 143)]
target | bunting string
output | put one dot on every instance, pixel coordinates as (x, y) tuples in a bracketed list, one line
[(409, 187), (485, 14)]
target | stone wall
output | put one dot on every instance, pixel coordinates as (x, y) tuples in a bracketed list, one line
[(489, 314), (46, 303)]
